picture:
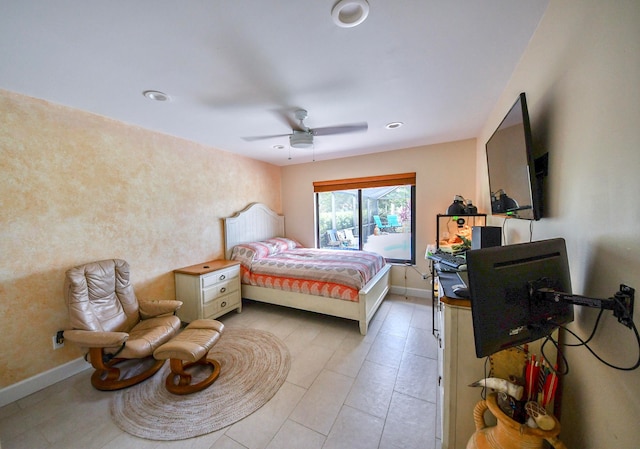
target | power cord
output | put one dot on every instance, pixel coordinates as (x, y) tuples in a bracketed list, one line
[(565, 363), (504, 230), (424, 276), (621, 368), (593, 332), (585, 343), (483, 393)]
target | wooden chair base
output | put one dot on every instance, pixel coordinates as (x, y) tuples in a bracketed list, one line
[(183, 384), (106, 376)]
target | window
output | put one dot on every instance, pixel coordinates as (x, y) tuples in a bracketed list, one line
[(372, 214)]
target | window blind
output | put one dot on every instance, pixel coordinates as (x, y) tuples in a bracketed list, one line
[(365, 182)]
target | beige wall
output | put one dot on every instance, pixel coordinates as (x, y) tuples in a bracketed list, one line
[(76, 187), (581, 75), (432, 165)]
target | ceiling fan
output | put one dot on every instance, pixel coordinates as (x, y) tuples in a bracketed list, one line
[(302, 137)]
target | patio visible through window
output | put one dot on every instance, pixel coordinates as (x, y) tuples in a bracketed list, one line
[(378, 219)]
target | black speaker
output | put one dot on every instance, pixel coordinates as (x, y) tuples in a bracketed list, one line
[(485, 236)]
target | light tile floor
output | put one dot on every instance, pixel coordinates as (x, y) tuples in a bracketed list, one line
[(343, 391)]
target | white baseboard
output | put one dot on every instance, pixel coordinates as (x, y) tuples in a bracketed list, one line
[(28, 386), (417, 292)]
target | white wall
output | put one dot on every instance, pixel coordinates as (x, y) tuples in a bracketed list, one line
[(581, 74), (432, 165)]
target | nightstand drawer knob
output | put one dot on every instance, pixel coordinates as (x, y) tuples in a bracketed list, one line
[(223, 304), (223, 289), (223, 277)]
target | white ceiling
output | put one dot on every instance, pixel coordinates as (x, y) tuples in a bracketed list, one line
[(232, 67)]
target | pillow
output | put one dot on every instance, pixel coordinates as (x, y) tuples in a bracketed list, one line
[(246, 253), (282, 243)]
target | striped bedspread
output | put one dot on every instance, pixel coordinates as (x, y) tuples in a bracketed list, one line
[(333, 273)]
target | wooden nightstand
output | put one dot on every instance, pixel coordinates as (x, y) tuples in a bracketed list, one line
[(208, 290)]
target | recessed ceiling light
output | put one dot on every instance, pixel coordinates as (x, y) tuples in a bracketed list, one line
[(350, 13), (278, 147), (394, 125), (156, 95)]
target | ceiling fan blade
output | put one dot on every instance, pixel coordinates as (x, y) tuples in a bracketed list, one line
[(254, 138), (340, 129)]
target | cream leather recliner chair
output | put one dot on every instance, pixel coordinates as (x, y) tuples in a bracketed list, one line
[(108, 322)]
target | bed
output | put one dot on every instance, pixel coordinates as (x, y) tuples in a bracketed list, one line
[(258, 223)]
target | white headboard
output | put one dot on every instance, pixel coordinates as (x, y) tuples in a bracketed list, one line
[(256, 222)]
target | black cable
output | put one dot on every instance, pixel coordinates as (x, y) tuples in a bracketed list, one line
[(483, 393), (585, 344), (621, 368), (565, 362), (593, 332)]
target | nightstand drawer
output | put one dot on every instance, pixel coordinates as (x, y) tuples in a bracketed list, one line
[(218, 306), (220, 276), (220, 289)]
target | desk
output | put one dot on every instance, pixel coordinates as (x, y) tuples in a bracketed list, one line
[(457, 366), (447, 280)]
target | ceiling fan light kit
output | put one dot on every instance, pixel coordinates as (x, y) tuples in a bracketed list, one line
[(350, 13), (301, 139)]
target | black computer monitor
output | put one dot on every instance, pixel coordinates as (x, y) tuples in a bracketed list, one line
[(504, 312)]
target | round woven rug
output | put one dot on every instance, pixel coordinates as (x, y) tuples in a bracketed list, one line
[(254, 364)]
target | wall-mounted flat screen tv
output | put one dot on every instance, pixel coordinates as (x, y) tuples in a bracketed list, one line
[(514, 187)]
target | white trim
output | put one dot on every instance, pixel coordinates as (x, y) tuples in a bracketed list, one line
[(45, 379), (417, 292)]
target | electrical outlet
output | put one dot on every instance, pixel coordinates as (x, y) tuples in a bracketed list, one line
[(58, 340)]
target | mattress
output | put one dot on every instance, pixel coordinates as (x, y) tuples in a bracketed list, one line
[(283, 264)]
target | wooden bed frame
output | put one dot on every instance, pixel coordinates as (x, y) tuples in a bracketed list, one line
[(257, 222)]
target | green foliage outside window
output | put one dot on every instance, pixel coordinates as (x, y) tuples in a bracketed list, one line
[(351, 213), (344, 220)]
